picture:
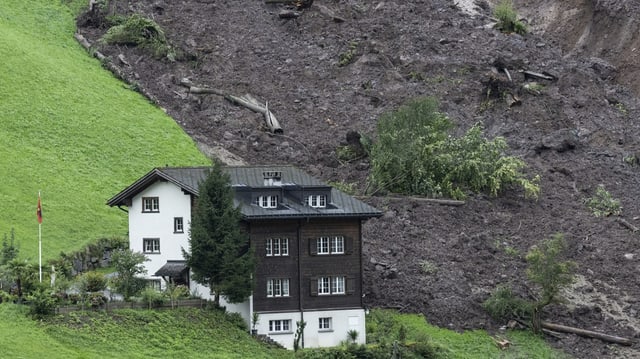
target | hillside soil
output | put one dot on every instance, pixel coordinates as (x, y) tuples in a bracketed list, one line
[(340, 64)]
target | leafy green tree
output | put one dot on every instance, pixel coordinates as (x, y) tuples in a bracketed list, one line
[(42, 301), (551, 274), (24, 275), (128, 264), (220, 255), (175, 292), (415, 153)]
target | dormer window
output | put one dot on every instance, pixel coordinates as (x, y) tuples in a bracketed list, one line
[(267, 201), (317, 201), (272, 178)]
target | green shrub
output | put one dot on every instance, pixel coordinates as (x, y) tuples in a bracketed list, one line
[(93, 282), (96, 299), (602, 204), (41, 302), (137, 30), (152, 297), (508, 18), (504, 305), (348, 56), (237, 320), (416, 154)]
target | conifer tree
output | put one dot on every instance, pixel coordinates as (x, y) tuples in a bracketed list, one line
[(220, 255)]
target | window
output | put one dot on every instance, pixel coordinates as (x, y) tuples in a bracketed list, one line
[(317, 201), (150, 204), (323, 245), (335, 285), (267, 201), (277, 247), (329, 245), (276, 326), (151, 245), (323, 286), (178, 225), (324, 324), (278, 288), (337, 245)]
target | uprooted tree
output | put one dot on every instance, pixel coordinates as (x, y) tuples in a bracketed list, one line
[(416, 153), (548, 272)]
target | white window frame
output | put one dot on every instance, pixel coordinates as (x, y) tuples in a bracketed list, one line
[(151, 245), (324, 286), (336, 245), (277, 247), (178, 225), (337, 285), (280, 326), (323, 246), (325, 324), (150, 204), (267, 201), (317, 201), (278, 287)]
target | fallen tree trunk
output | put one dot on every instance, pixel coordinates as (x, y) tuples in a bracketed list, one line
[(246, 101), (627, 224), (586, 333), (444, 202), (537, 75)]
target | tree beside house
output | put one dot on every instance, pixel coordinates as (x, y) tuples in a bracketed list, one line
[(299, 240)]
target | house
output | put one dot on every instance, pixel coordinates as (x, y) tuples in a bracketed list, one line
[(306, 234)]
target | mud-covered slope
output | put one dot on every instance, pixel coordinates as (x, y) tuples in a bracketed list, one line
[(579, 131)]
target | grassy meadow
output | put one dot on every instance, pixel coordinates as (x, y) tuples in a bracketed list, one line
[(131, 334), (72, 131)]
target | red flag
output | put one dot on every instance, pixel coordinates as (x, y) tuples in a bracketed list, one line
[(39, 210)]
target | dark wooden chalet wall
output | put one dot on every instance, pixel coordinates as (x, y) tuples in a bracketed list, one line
[(302, 235)]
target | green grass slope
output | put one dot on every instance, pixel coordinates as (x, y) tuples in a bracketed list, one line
[(180, 333), (71, 130), (383, 326)]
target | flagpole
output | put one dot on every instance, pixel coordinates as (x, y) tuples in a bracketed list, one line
[(39, 241), (40, 249)]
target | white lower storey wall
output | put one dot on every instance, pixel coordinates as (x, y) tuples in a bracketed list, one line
[(324, 328)]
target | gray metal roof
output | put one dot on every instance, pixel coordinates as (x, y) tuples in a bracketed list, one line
[(172, 269), (251, 178)]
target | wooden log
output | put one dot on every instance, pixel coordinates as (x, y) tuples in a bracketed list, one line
[(537, 75), (444, 202), (506, 71), (627, 224), (587, 333), (289, 14), (247, 101), (300, 4)]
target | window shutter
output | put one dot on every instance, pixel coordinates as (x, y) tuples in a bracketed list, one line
[(313, 246), (350, 285), (314, 286), (348, 245)]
